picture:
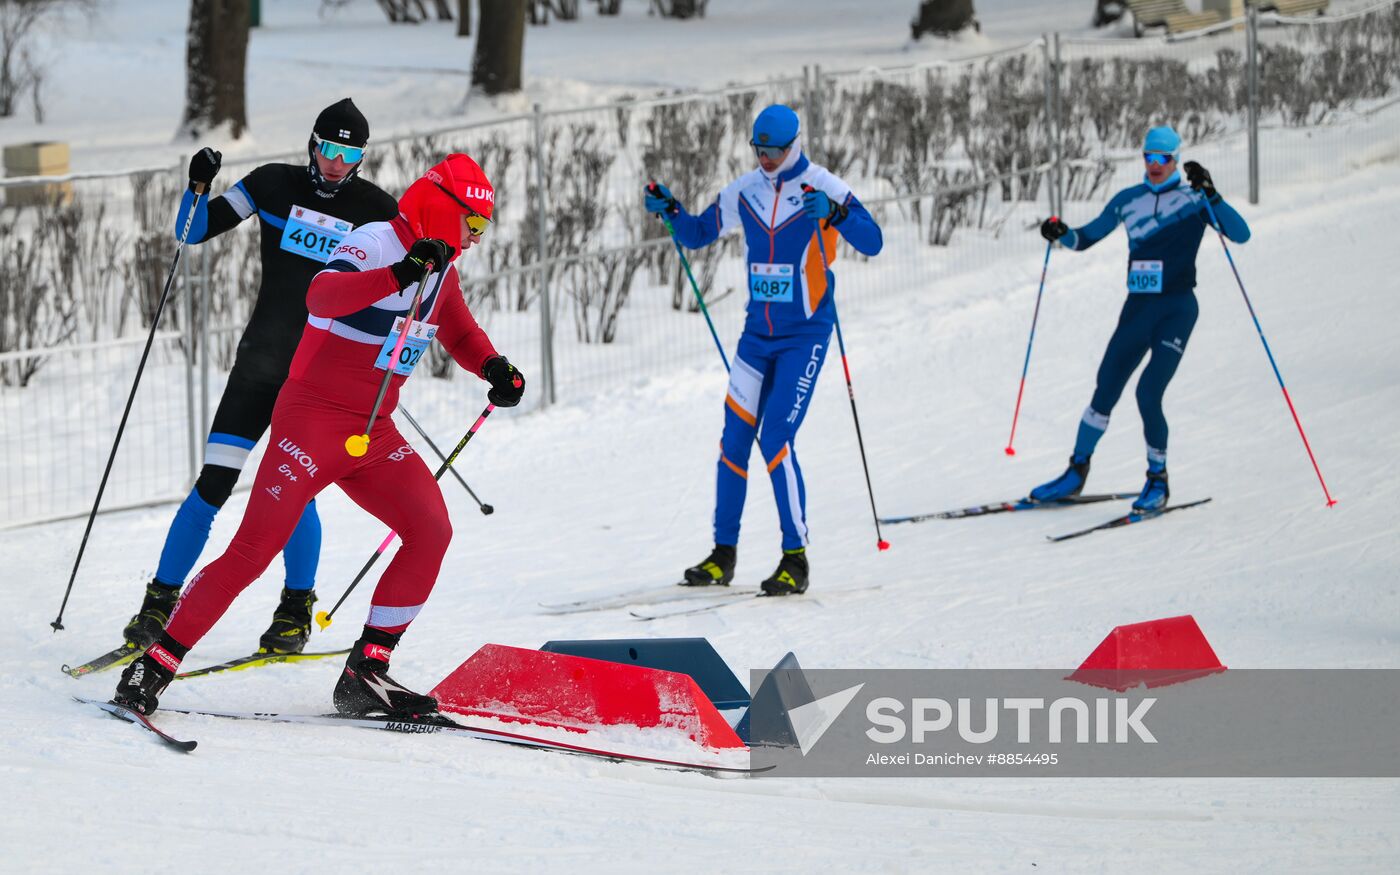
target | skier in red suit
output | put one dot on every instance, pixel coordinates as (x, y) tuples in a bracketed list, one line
[(357, 306)]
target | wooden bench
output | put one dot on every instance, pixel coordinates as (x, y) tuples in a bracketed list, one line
[(1170, 14), (1184, 21), (1294, 8), (1153, 13)]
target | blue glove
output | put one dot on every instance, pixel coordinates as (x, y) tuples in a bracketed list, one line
[(818, 206), (660, 200)]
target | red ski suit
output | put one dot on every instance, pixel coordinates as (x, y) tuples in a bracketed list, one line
[(330, 390)]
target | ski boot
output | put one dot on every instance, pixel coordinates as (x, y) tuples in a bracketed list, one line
[(791, 576), (365, 686), (1067, 485), (1154, 492), (717, 569), (155, 612), (291, 623), (146, 678)]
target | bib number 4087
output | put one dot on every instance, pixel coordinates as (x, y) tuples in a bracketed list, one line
[(770, 283)]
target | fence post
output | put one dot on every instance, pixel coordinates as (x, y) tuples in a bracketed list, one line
[(192, 348), (205, 345), (1052, 183), (547, 396), (1059, 130), (814, 100), (1252, 65)]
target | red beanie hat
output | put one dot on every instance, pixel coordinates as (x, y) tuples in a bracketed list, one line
[(433, 204)]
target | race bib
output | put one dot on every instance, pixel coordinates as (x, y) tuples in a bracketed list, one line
[(770, 283), (313, 235), (419, 336), (1145, 277)]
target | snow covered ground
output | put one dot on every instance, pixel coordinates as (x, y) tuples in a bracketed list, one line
[(615, 492)]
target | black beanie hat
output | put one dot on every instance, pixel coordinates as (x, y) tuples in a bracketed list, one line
[(342, 122)]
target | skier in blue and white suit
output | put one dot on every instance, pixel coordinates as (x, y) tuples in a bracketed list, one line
[(1165, 221), (781, 207)]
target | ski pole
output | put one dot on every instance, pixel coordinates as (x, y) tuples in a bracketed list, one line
[(358, 444), (694, 286), (880, 541), (485, 508), (199, 188), (1010, 442), (323, 618), (1215, 223)]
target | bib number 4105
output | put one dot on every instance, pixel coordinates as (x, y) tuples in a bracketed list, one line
[(1145, 277)]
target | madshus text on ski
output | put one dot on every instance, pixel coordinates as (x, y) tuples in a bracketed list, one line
[(357, 285)]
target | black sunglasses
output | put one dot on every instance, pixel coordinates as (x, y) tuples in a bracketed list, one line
[(772, 153)]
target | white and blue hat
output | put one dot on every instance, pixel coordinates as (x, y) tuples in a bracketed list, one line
[(777, 125)]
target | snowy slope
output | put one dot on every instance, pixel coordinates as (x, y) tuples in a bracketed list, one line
[(616, 492)]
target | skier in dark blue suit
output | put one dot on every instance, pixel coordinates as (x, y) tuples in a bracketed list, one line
[(1165, 221), (780, 207)]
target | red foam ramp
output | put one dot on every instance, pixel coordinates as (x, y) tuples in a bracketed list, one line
[(1155, 653), (575, 692)]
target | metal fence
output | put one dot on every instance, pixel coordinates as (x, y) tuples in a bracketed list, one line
[(958, 160)]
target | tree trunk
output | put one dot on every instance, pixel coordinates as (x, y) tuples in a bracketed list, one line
[(216, 57), (464, 17), (500, 46)]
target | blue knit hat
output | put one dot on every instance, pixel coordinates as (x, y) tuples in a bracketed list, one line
[(1162, 139), (777, 125)]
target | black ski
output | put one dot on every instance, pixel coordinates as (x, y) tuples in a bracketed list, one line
[(139, 719), (1128, 519), (441, 723), (1008, 507), (256, 660), (111, 659)]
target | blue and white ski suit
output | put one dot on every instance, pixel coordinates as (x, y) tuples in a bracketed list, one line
[(787, 330), (1165, 224)]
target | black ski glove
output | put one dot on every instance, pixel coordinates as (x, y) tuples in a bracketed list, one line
[(659, 199), (507, 384), (1053, 229), (204, 166), (1199, 177), (424, 251)]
